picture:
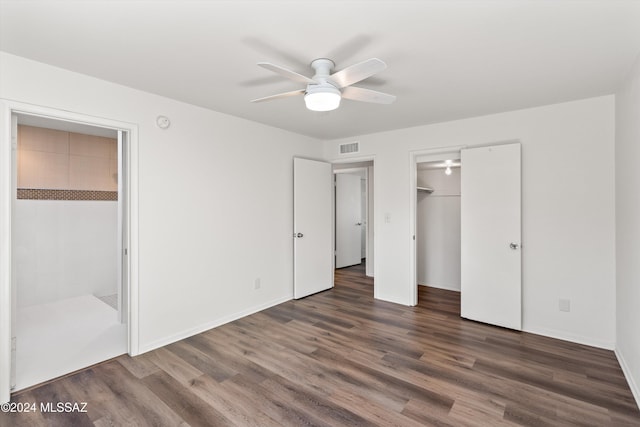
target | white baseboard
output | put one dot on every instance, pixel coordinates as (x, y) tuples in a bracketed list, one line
[(445, 287), (578, 339), (210, 325), (627, 374)]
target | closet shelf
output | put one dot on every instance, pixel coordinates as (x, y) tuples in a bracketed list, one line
[(427, 190)]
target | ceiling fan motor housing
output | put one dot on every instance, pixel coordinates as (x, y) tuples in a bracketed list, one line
[(323, 67)]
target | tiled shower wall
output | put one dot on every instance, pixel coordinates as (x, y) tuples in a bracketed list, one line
[(66, 216), (66, 165)]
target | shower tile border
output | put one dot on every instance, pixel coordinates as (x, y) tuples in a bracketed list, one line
[(47, 194)]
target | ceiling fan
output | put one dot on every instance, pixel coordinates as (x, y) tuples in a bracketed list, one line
[(325, 90)]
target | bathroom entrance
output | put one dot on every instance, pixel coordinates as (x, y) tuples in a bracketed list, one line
[(69, 297)]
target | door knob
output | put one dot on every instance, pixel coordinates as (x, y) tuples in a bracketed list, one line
[(358, 223), (514, 246), (299, 235)]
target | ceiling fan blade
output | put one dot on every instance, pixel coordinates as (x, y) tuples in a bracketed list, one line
[(291, 75), (367, 95), (357, 72), (280, 95)]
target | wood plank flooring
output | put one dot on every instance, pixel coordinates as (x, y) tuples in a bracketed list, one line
[(341, 358)]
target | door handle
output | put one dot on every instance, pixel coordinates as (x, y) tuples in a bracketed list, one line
[(298, 235), (358, 223), (514, 246)]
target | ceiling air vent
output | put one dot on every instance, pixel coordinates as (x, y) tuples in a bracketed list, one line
[(351, 147)]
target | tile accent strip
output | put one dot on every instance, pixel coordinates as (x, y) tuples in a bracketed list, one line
[(43, 194)]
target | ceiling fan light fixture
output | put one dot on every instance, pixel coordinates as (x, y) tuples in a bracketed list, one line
[(325, 98)]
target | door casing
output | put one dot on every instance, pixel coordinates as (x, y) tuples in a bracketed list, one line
[(7, 195), (372, 203)]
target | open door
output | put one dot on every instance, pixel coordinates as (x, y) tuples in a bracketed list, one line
[(312, 227), (348, 220), (490, 234)]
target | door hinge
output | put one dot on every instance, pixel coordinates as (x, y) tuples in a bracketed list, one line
[(125, 251)]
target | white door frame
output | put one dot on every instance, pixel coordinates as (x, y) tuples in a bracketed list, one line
[(427, 155), (370, 212), (7, 109), (415, 157), (366, 218)]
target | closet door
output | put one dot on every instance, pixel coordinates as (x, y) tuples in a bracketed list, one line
[(490, 235)]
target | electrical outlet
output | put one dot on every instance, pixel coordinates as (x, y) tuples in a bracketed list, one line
[(564, 305), (256, 283)]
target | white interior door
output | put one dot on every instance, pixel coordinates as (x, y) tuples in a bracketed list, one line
[(348, 220), (490, 235), (312, 227)]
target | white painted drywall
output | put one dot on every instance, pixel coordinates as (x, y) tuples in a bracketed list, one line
[(438, 229), (64, 249), (207, 231), (628, 228), (568, 215)]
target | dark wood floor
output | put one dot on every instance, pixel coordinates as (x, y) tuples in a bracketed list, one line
[(342, 358)]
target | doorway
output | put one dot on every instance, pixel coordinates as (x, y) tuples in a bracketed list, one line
[(68, 300), (434, 193), (490, 229), (438, 224), (350, 217), (52, 243), (354, 216)]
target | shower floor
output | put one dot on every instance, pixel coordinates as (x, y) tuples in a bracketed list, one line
[(111, 300), (57, 338)]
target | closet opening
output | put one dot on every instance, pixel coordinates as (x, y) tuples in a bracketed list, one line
[(70, 298), (438, 224), (436, 212)]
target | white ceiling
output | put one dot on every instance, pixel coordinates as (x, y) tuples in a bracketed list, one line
[(446, 59)]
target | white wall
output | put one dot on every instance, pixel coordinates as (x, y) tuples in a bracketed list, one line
[(65, 249), (438, 229), (628, 228), (568, 224), (206, 232)]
